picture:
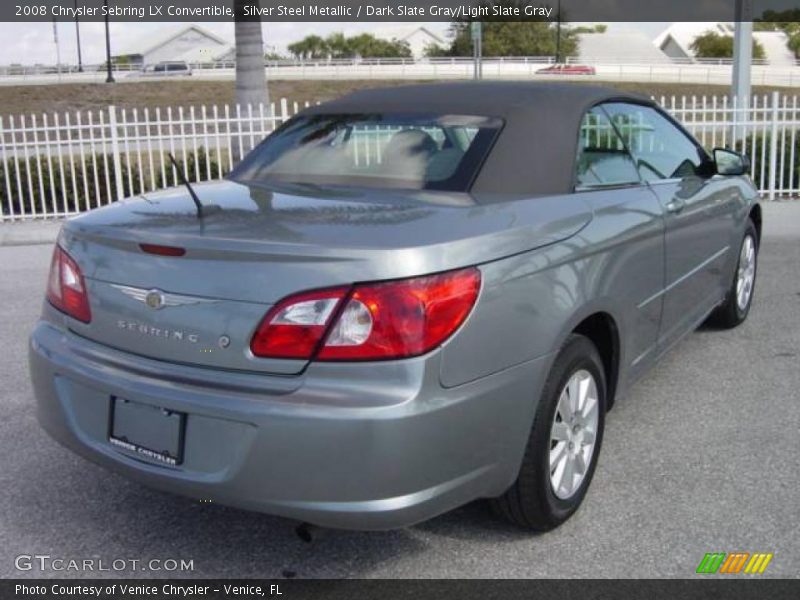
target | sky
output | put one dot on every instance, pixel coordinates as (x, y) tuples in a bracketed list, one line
[(32, 43)]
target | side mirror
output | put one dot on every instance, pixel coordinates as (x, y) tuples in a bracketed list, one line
[(731, 163)]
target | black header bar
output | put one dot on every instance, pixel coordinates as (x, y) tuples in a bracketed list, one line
[(700, 587), (396, 10)]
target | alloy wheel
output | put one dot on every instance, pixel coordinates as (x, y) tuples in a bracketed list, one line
[(747, 273), (573, 434)]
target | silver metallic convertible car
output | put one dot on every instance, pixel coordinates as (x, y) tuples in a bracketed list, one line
[(401, 301)]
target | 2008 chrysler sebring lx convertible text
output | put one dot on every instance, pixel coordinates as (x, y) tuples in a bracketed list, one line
[(401, 301)]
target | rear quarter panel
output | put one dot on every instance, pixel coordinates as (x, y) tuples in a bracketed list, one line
[(531, 302)]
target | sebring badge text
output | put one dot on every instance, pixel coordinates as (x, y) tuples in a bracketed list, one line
[(171, 334)]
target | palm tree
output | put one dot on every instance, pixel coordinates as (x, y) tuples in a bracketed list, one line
[(251, 76)]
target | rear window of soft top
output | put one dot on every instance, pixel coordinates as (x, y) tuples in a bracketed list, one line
[(430, 152)]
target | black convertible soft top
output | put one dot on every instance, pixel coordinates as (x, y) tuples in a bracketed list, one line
[(536, 150)]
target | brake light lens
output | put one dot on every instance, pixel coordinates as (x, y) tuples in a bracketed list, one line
[(399, 319), (378, 321), (66, 289), (295, 326), (161, 250)]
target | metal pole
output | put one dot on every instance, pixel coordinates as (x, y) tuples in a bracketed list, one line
[(477, 49), (78, 36), (480, 52), (742, 63), (115, 153), (773, 146), (558, 33), (58, 48), (110, 76), (742, 58)]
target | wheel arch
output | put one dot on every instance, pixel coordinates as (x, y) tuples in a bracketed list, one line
[(603, 331), (755, 217)]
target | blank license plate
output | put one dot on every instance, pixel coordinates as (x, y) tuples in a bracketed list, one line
[(149, 431)]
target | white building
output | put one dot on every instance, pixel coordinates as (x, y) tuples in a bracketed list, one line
[(618, 47), (676, 41), (192, 44), (777, 52), (420, 39)]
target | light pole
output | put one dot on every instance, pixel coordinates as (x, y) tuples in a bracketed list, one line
[(58, 48), (110, 76), (477, 49), (78, 36), (742, 49), (742, 64), (558, 33)]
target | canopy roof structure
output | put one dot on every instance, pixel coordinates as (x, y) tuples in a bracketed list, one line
[(534, 153)]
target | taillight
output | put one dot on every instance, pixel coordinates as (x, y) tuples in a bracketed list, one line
[(378, 321), (66, 289), (295, 326), (401, 318)]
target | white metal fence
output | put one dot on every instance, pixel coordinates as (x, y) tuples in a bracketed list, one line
[(54, 165), (700, 71), (62, 164), (767, 131), (21, 70)]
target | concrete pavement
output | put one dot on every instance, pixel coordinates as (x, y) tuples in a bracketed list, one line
[(702, 456)]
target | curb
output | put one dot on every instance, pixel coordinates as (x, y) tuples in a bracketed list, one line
[(29, 233)]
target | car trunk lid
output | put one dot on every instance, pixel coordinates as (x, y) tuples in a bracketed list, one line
[(202, 307)]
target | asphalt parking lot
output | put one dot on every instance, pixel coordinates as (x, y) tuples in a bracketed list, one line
[(702, 456)]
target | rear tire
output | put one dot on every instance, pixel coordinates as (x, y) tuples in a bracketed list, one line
[(564, 444), (734, 310)]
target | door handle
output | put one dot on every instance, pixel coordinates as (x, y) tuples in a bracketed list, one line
[(675, 206)]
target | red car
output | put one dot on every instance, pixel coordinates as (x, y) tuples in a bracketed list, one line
[(567, 70)]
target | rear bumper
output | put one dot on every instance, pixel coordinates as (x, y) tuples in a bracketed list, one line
[(370, 446)]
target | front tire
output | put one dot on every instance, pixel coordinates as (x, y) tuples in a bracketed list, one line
[(564, 443), (734, 310)]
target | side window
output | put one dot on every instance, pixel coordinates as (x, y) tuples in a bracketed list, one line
[(661, 150), (602, 158)]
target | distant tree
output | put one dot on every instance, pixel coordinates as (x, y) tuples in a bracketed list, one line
[(715, 45), (780, 17), (367, 45), (599, 28), (435, 50), (122, 59), (765, 26), (792, 31), (794, 44), (311, 46), (337, 45), (513, 36)]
